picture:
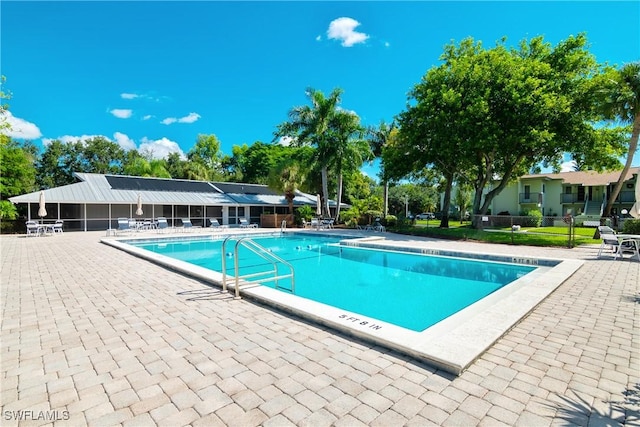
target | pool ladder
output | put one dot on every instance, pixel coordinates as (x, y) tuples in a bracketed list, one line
[(263, 253)]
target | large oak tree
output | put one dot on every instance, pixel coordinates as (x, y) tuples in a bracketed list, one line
[(487, 116)]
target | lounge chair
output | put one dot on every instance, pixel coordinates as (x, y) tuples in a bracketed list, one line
[(124, 225), (215, 224), (379, 227), (162, 224), (605, 229), (186, 224), (33, 229), (327, 223), (618, 245), (245, 224)]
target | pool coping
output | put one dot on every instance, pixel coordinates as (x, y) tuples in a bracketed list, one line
[(452, 344)]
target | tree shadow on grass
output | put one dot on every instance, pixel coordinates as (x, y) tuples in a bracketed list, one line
[(577, 411)]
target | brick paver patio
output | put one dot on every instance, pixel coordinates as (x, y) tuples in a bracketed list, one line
[(94, 336)]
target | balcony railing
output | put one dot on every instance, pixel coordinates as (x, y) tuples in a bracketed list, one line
[(530, 197), (571, 198)]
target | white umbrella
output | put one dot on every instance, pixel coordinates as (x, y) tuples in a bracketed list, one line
[(42, 211), (139, 210), (318, 205), (635, 209)]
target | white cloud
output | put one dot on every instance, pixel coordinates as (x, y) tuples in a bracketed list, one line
[(68, 139), (343, 29), (121, 113), (568, 166), (19, 128), (192, 117), (129, 95), (124, 141), (147, 117), (347, 111), (285, 140), (160, 148), (319, 38), (387, 44)]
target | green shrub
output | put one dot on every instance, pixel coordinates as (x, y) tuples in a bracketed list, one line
[(351, 223), (533, 218), (305, 212), (390, 221), (631, 226), (349, 215), (7, 210)]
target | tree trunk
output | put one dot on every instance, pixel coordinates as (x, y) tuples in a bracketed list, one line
[(446, 203), (290, 197), (633, 146), (325, 193), (385, 199), (339, 197)]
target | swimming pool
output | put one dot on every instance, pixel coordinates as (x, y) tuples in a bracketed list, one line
[(452, 343), (413, 291)]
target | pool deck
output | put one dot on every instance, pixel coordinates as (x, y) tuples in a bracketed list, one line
[(92, 335)]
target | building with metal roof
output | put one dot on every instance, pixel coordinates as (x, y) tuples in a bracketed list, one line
[(98, 200)]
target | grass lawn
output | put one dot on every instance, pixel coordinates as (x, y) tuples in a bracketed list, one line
[(533, 236)]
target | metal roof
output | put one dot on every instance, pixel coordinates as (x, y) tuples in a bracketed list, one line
[(116, 189), (586, 178)]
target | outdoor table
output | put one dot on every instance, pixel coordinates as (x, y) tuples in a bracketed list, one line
[(45, 228), (632, 240)]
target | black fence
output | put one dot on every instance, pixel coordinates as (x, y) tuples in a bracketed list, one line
[(562, 226)]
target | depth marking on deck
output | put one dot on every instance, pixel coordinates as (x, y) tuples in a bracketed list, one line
[(359, 321)]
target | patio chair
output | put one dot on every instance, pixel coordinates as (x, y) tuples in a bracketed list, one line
[(327, 223), (124, 225), (186, 224), (161, 224), (135, 225), (245, 224), (605, 229), (618, 246), (379, 227), (215, 224), (57, 227), (33, 229)]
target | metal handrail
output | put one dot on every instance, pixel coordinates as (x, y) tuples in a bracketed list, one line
[(263, 253), (224, 263)]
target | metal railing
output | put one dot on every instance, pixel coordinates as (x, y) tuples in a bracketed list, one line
[(263, 253)]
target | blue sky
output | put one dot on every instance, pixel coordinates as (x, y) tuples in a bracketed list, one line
[(153, 75)]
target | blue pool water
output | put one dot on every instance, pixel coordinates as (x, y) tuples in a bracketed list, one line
[(409, 290)]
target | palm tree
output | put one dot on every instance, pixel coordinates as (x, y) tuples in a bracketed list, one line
[(348, 148), (310, 125), (378, 137), (623, 103), (287, 177)]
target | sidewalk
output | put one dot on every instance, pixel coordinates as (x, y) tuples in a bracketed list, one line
[(93, 336)]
